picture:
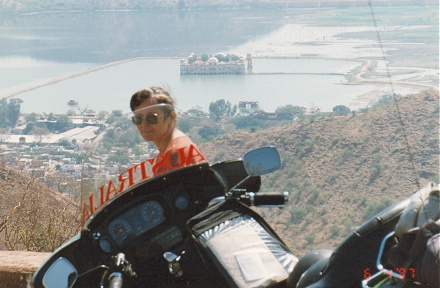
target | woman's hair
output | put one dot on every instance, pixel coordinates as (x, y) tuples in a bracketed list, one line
[(158, 93)]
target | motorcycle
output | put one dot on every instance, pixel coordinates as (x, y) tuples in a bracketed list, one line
[(142, 237), (193, 227)]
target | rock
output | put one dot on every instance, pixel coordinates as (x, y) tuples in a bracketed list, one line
[(17, 267)]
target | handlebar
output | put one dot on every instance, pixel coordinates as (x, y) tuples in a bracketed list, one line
[(122, 266), (115, 280), (271, 199), (265, 198)]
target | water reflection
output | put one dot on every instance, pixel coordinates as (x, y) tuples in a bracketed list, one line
[(105, 36)]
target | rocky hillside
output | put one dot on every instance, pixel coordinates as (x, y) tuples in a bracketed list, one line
[(32, 216), (340, 171)]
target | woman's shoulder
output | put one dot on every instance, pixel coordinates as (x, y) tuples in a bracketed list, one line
[(181, 147), (180, 139)]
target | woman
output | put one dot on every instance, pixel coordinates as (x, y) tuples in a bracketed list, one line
[(155, 119)]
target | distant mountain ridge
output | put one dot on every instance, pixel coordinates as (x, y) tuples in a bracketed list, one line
[(66, 5)]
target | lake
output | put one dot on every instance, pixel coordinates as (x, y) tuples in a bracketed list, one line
[(110, 89), (36, 48)]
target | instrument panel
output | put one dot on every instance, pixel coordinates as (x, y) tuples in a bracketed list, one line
[(151, 221), (136, 221)]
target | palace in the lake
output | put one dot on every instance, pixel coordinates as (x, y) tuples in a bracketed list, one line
[(215, 65)]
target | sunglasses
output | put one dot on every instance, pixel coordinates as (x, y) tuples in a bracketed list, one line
[(149, 118)]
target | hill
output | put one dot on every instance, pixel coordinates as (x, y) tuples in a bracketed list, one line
[(340, 171), (32, 216)]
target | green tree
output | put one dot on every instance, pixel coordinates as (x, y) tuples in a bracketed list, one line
[(207, 132), (385, 99), (298, 214), (31, 117), (234, 58), (14, 110), (204, 57), (102, 115), (51, 117), (28, 129), (219, 57), (62, 123), (242, 122), (221, 108), (335, 230), (310, 239), (3, 113), (341, 110), (70, 112), (196, 111), (192, 59), (35, 128), (115, 115), (185, 124), (10, 112), (64, 143), (289, 111)]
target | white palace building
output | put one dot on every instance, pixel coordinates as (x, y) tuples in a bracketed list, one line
[(189, 66)]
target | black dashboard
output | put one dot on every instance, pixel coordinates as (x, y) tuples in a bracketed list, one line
[(136, 221), (158, 221), (151, 217)]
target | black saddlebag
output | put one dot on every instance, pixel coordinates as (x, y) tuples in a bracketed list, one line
[(241, 245)]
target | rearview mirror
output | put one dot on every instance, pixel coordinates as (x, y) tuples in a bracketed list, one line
[(60, 274), (262, 161)]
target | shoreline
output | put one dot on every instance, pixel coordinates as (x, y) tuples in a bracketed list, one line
[(377, 66)]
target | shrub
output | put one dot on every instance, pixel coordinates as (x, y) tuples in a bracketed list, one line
[(39, 220), (335, 230), (310, 239), (298, 214)]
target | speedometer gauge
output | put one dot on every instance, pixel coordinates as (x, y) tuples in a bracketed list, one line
[(119, 230), (152, 213)]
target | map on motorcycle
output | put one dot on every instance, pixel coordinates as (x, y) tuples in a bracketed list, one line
[(251, 263)]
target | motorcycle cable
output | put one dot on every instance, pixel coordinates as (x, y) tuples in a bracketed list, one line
[(396, 103), (399, 114)]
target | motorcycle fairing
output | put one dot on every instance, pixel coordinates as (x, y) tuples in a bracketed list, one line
[(64, 250), (233, 172), (199, 181)]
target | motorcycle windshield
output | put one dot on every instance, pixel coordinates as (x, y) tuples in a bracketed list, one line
[(123, 154)]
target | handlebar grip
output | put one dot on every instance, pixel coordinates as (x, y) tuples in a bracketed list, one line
[(267, 198), (115, 280)]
